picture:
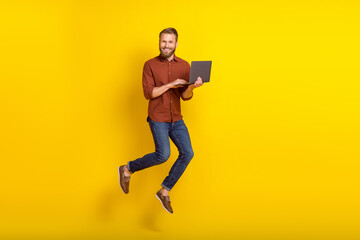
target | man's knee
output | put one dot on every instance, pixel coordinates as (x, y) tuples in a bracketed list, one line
[(162, 156), (188, 155)]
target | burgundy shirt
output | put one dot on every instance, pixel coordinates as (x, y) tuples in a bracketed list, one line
[(157, 72)]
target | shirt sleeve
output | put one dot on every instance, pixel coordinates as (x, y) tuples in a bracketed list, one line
[(148, 81), (187, 78)]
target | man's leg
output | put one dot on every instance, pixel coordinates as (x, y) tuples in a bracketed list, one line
[(160, 132), (180, 136)]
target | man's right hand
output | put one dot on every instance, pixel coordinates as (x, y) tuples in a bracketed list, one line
[(177, 83)]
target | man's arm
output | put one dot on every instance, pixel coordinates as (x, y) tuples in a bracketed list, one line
[(150, 91), (187, 94), (158, 91)]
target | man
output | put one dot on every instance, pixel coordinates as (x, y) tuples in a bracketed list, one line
[(164, 79)]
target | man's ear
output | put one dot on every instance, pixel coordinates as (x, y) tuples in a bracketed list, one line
[(176, 44)]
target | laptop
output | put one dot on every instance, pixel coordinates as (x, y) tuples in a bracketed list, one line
[(199, 69)]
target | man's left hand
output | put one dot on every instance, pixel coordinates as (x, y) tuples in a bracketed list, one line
[(198, 83)]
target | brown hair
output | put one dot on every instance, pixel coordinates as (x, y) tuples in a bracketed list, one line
[(169, 31)]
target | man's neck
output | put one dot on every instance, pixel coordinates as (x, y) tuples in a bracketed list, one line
[(170, 58)]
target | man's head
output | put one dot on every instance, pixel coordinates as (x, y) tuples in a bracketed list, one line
[(168, 42)]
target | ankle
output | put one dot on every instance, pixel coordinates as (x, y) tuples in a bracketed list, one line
[(164, 192), (127, 172)]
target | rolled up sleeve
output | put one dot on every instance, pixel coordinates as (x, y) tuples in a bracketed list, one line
[(181, 90), (148, 81)]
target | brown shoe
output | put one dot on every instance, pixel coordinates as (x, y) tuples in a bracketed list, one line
[(124, 181), (165, 201)]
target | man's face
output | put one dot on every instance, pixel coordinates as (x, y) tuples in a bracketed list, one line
[(167, 45)]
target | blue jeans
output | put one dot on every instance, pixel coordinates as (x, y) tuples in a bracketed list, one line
[(161, 132)]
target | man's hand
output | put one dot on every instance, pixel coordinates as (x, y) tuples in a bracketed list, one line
[(187, 94), (177, 83), (197, 84)]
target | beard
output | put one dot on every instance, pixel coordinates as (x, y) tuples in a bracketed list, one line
[(165, 54)]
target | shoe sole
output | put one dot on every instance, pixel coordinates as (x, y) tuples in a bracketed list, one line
[(162, 203), (120, 180)]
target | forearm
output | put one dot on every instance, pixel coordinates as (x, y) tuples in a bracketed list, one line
[(188, 92), (158, 91)]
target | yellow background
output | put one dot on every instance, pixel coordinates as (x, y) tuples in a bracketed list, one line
[(275, 133)]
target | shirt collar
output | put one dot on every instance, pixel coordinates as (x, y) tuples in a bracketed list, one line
[(162, 59)]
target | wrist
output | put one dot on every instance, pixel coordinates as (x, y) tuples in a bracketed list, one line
[(192, 87)]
